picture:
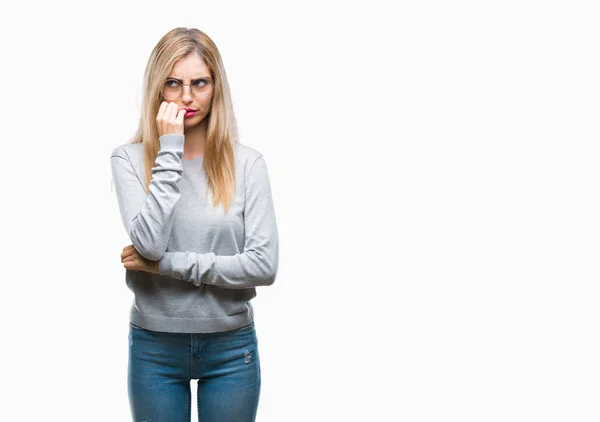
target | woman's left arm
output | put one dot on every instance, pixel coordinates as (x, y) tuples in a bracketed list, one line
[(257, 265)]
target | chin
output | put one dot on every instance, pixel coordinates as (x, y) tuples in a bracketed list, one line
[(193, 121)]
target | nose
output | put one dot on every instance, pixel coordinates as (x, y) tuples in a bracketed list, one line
[(187, 95)]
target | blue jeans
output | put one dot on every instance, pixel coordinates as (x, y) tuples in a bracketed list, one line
[(161, 366)]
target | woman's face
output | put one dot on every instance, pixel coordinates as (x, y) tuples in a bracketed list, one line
[(188, 69)]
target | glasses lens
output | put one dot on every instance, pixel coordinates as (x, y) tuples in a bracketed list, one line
[(201, 88), (172, 90)]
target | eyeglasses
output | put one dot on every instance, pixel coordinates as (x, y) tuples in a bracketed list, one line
[(173, 89)]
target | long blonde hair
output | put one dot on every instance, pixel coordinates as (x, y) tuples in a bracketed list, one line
[(221, 134)]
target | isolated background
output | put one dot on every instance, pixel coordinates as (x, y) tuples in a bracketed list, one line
[(434, 168)]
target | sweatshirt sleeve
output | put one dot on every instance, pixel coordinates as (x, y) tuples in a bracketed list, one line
[(148, 217), (257, 264)]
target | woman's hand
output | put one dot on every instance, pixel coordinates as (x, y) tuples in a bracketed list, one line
[(132, 260), (169, 120)]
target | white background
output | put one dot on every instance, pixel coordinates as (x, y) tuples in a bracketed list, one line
[(435, 175)]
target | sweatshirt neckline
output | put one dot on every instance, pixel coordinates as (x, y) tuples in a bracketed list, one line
[(193, 160)]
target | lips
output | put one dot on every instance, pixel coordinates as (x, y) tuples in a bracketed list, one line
[(188, 109)]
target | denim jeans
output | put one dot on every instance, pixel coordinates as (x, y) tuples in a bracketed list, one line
[(161, 366)]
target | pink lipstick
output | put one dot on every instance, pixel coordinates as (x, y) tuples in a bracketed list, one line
[(190, 112)]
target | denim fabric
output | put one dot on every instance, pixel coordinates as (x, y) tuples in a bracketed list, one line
[(161, 366)]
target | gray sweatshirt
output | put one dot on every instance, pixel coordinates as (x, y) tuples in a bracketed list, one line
[(209, 262)]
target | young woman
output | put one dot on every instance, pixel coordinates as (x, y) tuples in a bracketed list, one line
[(197, 206)]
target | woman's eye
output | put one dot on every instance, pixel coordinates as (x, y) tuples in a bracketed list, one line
[(171, 83), (200, 82)]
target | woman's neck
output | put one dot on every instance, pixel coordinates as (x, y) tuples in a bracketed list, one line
[(195, 141)]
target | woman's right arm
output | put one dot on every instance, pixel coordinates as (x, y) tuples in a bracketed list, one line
[(148, 218)]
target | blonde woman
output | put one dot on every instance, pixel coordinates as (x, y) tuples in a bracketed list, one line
[(197, 207)]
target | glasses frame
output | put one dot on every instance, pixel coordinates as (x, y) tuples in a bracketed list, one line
[(183, 90)]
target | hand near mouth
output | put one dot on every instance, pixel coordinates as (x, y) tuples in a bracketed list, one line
[(169, 120)]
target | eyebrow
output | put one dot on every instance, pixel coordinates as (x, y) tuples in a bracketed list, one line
[(201, 77)]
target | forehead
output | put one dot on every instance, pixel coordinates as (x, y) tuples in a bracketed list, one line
[(192, 66)]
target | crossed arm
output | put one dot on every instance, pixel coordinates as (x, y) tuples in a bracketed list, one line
[(149, 228)]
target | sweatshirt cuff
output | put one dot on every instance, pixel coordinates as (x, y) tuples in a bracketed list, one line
[(172, 141), (165, 264)]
